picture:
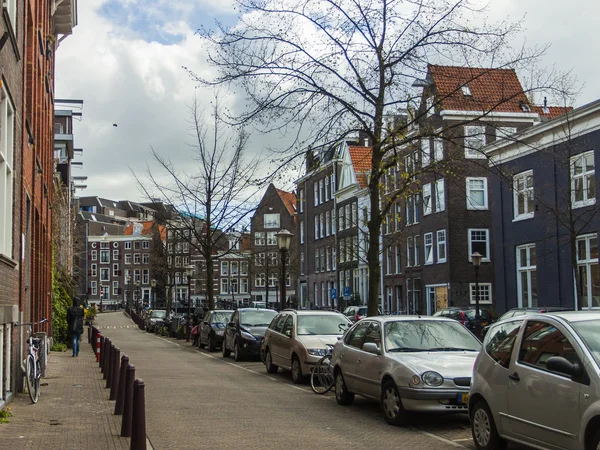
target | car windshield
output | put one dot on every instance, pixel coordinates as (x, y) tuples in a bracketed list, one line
[(257, 318), (158, 314), (221, 317), (589, 332), (335, 324), (428, 335)]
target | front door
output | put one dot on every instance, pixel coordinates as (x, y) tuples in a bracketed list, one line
[(543, 406), (441, 297)]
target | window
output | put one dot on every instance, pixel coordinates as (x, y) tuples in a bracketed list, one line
[(272, 220), (398, 216), (417, 259), (427, 199), (224, 268), (104, 256), (333, 259), (244, 268), (273, 279), (136, 246), (428, 246), (127, 276), (146, 245), (348, 218), (321, 192), (259, 280), (409, 210), (234, 285), (115, 255), (327, 224), (355, 338), (94, 288), (477, 196), (115, 270), (243, 285), (474, 141), (333, 221), (354, 214), (398, 259), (317, 227), (526, 276), (224, 285), (429, 106), (271, 238), (583, 180), (104, 274), (301, 263), (332, 179), (136, 259), (466, 90), (302, 232), (505, 132), (104, 244), (94, 255), (542, 341), (501, 341), (128, 258), (327, 190), (137, 275), (440, 197), (409, 252), (479, 241), (388, 260), (322, 226), (587, 266), (186, 247), (115, 289), (409, 166), (485, 293), (425, 152), (145, 276), (259, 238), (94, 271), (301, 199), (438, 150), (318, 261), (341, 218), (127, 245), (234, 268), (523, 195), (11, 9), (145, 258), (441, 246), (177, 260), (416, 205)]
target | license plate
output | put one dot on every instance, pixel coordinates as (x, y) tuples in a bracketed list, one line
[(463, 398)]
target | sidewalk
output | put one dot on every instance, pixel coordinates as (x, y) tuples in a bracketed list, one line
[(73, 411)]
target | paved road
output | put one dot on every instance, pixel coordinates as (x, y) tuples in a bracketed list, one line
[(199, 399)]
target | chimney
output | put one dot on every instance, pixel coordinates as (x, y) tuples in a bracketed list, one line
[(310, 160)]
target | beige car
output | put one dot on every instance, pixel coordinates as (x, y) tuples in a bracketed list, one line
[(296, 340), (537, 382)]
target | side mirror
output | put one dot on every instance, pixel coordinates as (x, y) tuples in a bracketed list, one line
[(371, 347), (562, 365), (231, 324)]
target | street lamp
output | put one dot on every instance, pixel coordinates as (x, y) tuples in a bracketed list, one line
[(129, 292), (189, 271), (137, 301), (153, 299), (476, 260), (284, 240)]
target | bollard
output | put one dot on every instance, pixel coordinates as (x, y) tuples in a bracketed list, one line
[(138, 424), (105, 358), (98, 347), (114, 379), (109, 365), (121, 390), (128, 402), (89, 334), (102, 351), (94, 336)]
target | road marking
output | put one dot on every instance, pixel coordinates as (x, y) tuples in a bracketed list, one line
[(439, 438), (463, 439)]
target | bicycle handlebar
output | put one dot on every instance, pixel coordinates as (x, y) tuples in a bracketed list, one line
[(44, 320)]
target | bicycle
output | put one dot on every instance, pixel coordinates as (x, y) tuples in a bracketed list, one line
[(321, 378), (33, 369)]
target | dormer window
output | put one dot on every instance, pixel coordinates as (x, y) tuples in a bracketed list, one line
[(524, 106), (466, 90)]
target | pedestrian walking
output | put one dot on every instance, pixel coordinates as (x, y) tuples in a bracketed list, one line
[(75, 323)]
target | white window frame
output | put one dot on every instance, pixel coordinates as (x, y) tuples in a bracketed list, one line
[(94, 288), (321, 191), (322, 225), (409, 251), (438, 150), (470, 205), (327, 189), (137, 258), (259, 238), (115, 288), (474, 141), (271, 238), (586, 263), (503, 133), (528, 268), (244, 268), (302, 231), (94, 255), (128, 245), (115, 270), (398, 260), (224, 285), (316, 193), (317, 218), (301, 199), (428, 247), (259, 280), (224, 268), (427, 199), (327, 223), (429, 106), (470, 249), (482, 286), (233, 268), (525, 192), (243, 285), (107, 253), (440, 236), (128, 258), (272, 220), (104, 270), (425, 152), (146, 245), (94, 270), (584, 175), (388, 260), (145, 276), (417, 260), (440, 195)]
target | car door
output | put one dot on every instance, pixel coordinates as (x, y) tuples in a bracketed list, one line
[(231, 330), (350, 355), (543, 406), (286, 340), (369, 365), (275, 340)]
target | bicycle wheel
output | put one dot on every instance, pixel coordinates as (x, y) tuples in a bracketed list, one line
[(321, 380), (33, 382)]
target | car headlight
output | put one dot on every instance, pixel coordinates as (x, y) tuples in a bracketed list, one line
[(432, 378), (317, 351), (219, 332), (247, 336)]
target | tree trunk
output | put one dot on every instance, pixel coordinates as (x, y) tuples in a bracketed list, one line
[(374, 226)]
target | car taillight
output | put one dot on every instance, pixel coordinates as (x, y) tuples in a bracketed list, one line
[(462, 317)]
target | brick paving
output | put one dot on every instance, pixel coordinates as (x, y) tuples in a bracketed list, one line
[(73, 411)]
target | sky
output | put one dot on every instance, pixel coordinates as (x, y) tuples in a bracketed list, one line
[(125, 61)]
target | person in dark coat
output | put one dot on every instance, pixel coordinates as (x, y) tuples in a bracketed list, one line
[(75, 323)]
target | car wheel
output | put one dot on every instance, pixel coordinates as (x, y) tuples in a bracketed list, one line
[(342, 396), (391, 405), (297, 376), (226, 352), (237, 351), (596, 441), (210, 344), (271, 368), (483, 428)]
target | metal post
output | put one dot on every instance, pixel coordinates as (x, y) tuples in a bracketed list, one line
[(477, 325), (121, 391), (138, 425), (189, 312), (98, 338), (114, 379), (128, 402), (102, 346), (109, 365), (282, 282)]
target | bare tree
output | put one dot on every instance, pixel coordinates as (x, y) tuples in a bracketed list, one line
[(327, 69), (210, 198)]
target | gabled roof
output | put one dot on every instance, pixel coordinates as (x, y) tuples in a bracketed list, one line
[(552, 112), (361, 160), (288, 199), (144, 228), (491, 89)]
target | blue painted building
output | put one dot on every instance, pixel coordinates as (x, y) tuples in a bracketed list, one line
[(546, 216)]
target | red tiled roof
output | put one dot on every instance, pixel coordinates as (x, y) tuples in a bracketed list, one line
[(553, 111), (492, 89), (289, 200), (361, 160), (146, 229)]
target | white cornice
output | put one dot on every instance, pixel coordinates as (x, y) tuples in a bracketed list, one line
[(112, 238), (450, 114)]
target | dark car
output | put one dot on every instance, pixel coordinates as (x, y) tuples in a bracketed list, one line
[(465, 315), (514, 312), (212, 329), (246, 331)]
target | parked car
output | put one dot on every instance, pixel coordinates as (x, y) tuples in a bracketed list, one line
[(245, 333), (212, 329), (537, 382), (514, 312), (296, 340), (355, 313), (157, 315), (465, 315), (407, 363)]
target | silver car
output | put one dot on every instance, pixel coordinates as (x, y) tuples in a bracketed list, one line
[(537, 382), (408, 363)]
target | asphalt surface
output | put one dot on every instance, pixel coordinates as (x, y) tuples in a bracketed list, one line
[(196, 399)]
